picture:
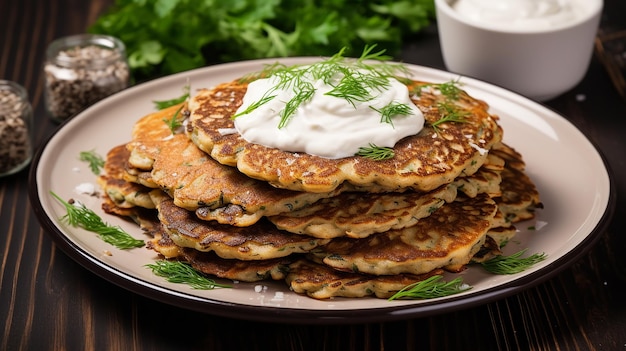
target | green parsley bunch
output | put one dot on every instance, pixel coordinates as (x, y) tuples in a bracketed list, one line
[(168, 36)]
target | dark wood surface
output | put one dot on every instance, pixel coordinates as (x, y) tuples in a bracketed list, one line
[(49, 302)]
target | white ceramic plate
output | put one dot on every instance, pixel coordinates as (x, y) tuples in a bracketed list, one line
[(570, 174)]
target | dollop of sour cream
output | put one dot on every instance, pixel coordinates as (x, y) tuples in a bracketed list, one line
[(521, 14), (325, 125)]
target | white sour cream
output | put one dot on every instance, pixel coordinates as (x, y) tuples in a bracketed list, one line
[(521, 14), (325, 126)]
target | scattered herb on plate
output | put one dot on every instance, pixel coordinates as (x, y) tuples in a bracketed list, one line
[(95, 161), (80, 216), (513, 263), (163, 104), (431, 288), (182, 273), (174, 123)]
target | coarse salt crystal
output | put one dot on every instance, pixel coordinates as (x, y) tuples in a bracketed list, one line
[(85, 188)]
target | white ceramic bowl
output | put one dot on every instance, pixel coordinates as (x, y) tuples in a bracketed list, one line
[(540, 63)]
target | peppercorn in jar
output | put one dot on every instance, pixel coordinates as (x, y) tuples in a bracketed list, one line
[(16, 121), (81, 70)]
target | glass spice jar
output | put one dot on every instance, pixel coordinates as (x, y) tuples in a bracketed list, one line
[(16, 128), (82, 69)]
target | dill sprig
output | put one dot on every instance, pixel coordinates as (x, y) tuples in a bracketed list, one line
[(377, 153), (174, 123), (163, 104), (266, 98), (95, 161), (431, 288), (448, 113), (352, 87), (512, 264), (351, 80), (80, 216), (304, 94), (182, 273), (450, 90), (391, 110)]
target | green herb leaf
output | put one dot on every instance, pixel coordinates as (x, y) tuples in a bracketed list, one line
[(377, 153), (182, 273), (450, 90), (80, 216), (163, 104), (512, 264), (431, 288), (96, 162), (168, 36), (265, 99), (448, 113), (304, 94), (392, 110), (175, 122), (358, 80)]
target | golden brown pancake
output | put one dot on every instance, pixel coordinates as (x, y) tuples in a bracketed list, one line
[(245, 271), (352, 227), (357, 215), (322, 282), (261, 241), (197, 182), (520, 197), (422, 162), (448, 237), (124, 194), (211, 264), (486, 180)]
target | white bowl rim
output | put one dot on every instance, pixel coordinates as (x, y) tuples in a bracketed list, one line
[(596, 9)]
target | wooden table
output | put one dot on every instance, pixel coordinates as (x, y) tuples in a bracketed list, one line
[(48, 301)]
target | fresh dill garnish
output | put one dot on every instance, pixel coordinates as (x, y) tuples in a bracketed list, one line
[(512, 264), (431, 288), (182, 273), (96, 162), (80, 216), (354, 80), (377, 153), (391, 110), (175, 122), (450, 90), (356, 86), (266, 98), (304, 94), (163, 104), (448, 113)]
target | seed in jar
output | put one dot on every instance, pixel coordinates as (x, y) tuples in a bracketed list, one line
[(80, 76), (15, 147)]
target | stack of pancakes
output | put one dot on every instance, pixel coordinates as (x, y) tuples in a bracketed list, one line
[(348, 227)]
